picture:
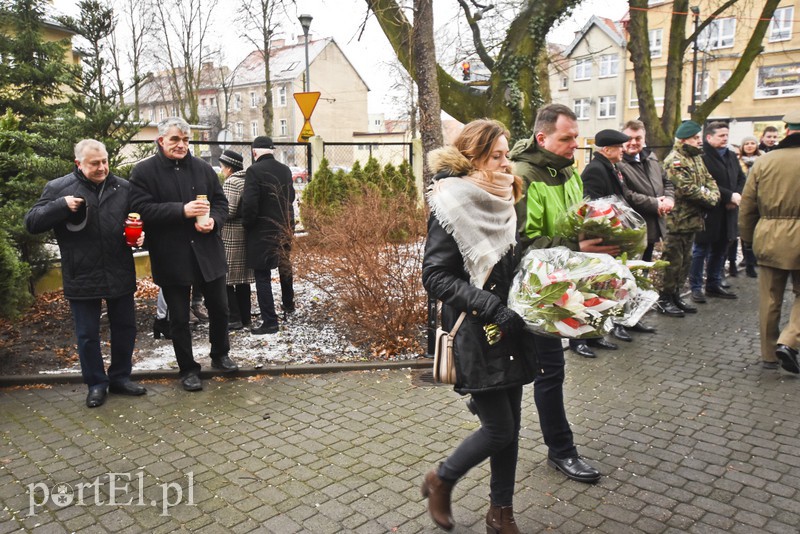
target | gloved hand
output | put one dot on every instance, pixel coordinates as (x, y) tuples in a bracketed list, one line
[(508, 321)]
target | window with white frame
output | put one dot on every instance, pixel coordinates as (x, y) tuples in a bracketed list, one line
[(607, 107), (174, 111), (581, 108), (254, 129), (564, 82), (658, 86), (609, 65), (162, 114), (655, 37), (701, 87), (152, 115), (778, 81), (212, 101), (282, 95), (722, 77), (284, 127), (719, 34), (780, 27), (253, 99), (583, 69), (237, 101), (240, 130)]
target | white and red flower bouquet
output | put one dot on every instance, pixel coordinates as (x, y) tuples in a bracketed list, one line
[(570, 294), (610, 218)]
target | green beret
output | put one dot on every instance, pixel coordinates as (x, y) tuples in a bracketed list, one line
[(687, 129)]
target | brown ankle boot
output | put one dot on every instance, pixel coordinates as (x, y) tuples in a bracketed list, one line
[(438, 493), (500, 520)]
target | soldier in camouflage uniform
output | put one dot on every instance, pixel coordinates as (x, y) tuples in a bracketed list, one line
[(695, 192)]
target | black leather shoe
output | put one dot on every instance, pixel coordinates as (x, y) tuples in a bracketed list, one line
[(236, 325), (582, 349), (683, 305), (602, 344), (192, 382), (197, 311), (788, 357), (264, 329), (642, 327), (127, 388), (720, 293), (620, 333), (667, 307), (698, 296), (733, 271), (224, 363), (472, 407), (725, 284), (161, 328), (751, 271), (96, 397), (576, 469)]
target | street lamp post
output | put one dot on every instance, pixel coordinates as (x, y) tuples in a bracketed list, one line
[(305, 22), (696, 13)]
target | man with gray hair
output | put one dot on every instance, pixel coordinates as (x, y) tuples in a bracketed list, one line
[(268, 220), (87, 209), (183, 207)]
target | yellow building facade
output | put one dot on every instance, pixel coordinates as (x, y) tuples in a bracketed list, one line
[(768, 91)]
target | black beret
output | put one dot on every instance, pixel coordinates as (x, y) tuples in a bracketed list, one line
[(262, 141), (610, 138), (232, 159)]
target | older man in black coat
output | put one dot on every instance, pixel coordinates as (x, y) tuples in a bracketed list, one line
[(86, 209), (185, 243), (721, 227), (267, 219)]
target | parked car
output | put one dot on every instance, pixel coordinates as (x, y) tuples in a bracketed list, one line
[(299, 175), (344, 168)]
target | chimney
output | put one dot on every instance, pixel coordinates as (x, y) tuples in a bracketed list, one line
[(301, 39), (277, 43)]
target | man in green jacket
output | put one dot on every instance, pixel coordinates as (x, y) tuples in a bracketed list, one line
[(695, 192), (551, 185)]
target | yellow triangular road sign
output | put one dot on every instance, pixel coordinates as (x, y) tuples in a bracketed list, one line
[(307, 102)]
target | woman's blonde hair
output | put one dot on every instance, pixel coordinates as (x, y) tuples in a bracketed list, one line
[(478, 137), (476, 140)]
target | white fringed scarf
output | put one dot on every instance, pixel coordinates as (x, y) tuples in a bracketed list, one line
[(483, 224)]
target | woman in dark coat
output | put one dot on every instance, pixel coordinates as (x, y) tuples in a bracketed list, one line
[(471, 236)]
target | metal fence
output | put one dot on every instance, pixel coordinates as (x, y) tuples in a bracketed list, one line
[(343, 155)]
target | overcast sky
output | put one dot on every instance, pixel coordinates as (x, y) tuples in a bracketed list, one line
[(342, 19)]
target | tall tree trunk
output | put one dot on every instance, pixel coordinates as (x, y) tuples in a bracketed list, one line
[(430, 108)]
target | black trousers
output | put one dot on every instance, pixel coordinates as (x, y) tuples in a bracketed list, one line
[(548, 393), (216, 299), (287, 280), (496, 439), (239, 303)]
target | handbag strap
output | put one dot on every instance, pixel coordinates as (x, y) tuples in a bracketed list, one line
[(464, 314)]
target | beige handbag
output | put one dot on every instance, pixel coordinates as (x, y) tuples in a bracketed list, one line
[(444, 359)]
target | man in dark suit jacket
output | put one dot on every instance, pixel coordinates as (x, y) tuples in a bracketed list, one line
[(267, 219), (183, 237), (721, 228)]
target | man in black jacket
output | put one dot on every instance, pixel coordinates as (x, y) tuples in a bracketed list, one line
[(87, 210), (184, 240), (711, 244), (267, 219)]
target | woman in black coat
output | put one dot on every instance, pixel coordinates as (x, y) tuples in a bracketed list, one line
[(471, 236)]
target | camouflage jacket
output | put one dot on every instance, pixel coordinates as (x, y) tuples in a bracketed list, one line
[(695, 189)]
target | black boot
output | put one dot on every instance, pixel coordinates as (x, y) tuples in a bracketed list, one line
[(667, 306), (682, 304)]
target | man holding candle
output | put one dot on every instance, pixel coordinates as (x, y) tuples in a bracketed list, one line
[(185, 242), (87, 210)]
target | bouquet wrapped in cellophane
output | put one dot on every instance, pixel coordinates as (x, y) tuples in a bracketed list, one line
[(570, 294), (610, 218)]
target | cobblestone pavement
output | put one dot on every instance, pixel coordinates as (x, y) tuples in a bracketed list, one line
[(691, 434)]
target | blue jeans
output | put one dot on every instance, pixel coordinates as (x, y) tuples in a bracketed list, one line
[(715, 254), (122, 322), (264, 294)]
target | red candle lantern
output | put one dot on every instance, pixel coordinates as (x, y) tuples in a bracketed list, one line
[(133, 229)]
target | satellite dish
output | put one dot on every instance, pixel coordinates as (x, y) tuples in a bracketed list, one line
[(224, 137)]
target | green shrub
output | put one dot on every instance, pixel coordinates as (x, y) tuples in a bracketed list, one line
[(14, 279)]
